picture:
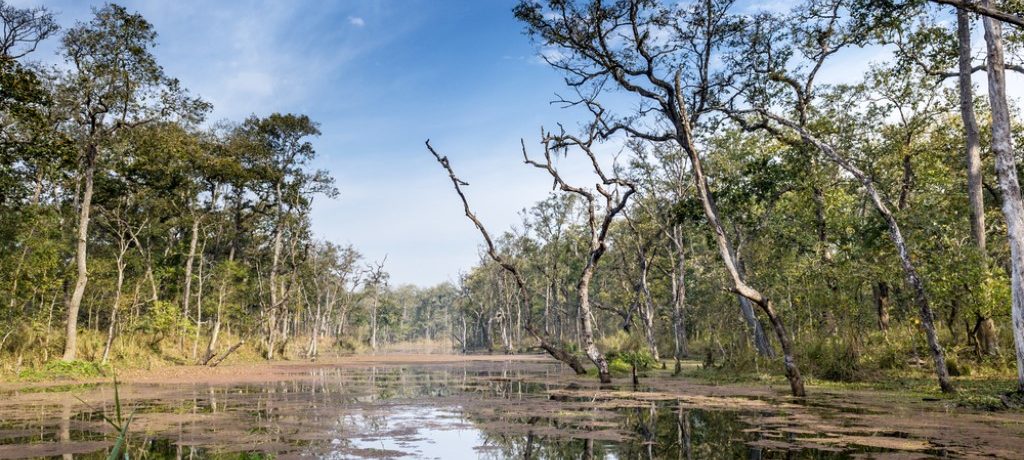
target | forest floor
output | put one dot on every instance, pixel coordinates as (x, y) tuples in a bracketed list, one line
[(506, 395)]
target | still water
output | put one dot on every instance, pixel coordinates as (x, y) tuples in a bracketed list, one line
[(486, 410)]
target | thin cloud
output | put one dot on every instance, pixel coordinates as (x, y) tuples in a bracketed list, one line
[(356, 21)]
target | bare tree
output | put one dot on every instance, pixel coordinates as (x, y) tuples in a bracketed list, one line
[(615, 193), (555, 349), (23, 30)]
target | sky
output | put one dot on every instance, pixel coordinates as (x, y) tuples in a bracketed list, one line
[(381, 77)]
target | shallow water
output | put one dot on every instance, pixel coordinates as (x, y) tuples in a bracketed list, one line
[(489, 410)]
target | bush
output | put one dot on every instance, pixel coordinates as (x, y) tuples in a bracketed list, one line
[(835, 359), (164, 319)]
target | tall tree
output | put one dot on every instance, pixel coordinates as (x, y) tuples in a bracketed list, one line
[(1006, 170), (114, 84)]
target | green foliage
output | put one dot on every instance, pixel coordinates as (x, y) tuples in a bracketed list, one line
[(163, 319), (835, 359), (65, 370)]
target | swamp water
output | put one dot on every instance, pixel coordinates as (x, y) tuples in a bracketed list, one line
[(489, 410)]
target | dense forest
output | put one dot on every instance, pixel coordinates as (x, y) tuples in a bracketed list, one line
[(744, 211)]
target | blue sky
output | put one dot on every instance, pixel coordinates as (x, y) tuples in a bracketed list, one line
[(381, 76)]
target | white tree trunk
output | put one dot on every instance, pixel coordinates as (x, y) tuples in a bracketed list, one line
[(1006, 169)]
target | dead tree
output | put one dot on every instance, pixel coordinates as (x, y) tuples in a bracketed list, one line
[(553, 348), (614, 192)]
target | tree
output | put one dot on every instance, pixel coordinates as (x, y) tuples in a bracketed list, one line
[(615, 193), (1006, 170), (280, 154), (114, 84), (553, 348)]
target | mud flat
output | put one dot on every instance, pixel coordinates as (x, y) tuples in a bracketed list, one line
[(454, 406)]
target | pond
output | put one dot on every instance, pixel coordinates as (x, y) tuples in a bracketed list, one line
[(488, 408)]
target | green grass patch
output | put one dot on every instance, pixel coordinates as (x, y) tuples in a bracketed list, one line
[(70, 370)]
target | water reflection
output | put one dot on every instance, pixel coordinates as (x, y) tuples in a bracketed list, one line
[(475, 410)]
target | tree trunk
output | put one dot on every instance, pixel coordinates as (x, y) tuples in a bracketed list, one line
[(1006, 169), (373, 320), (81, 260), (227, 353), (114, 309), (199, 301), (757, 335), (684, 139), (972, 143), (587, 326), (909, 270), (985, 336), (274, 266), (647, 310), (880, 292), (187, 295), (314, 334), (679, 302), (211, 345)]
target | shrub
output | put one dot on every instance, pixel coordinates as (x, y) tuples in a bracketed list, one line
[(835, 359)]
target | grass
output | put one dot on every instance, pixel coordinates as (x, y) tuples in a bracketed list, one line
[(984, 390), (65, 370), (119, 423)]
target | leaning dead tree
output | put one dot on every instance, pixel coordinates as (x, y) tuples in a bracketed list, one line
[(552, 347), (606, 201)]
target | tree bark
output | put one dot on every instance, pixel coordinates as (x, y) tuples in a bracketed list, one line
[(679, 301), (972, 142), (880, 292), (587, 326), (757, 335), (1006, 169), (81, 258), (117, 303)]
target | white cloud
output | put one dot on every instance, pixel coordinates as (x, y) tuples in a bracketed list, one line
[(252, 83), (356, 21)]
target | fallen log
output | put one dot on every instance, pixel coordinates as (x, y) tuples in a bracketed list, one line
[(234, 347)]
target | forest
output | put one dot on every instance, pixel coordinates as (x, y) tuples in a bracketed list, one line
[(745, 218)]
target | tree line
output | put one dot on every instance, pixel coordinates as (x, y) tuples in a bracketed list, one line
[(130, 220)]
